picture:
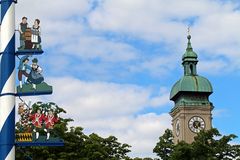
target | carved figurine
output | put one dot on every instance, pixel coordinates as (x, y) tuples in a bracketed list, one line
[(50, 120), (22, 29), (35, 76), (37, 120), (34, 81), (36, 38), (22, 69)]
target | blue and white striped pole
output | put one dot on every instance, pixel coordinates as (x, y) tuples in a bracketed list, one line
[(7, 81)]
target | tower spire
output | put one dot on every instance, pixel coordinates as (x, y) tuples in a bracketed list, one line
[(191, 100), (189, 45), (189, 58)]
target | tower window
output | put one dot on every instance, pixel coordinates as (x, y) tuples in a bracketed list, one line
[(191, 69)]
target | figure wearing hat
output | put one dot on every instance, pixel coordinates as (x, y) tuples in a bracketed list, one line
[(35, 76), (37, 120), (22, 69), (22, 29), (50, 120)]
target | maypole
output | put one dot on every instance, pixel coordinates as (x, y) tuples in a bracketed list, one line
[(7, 81)]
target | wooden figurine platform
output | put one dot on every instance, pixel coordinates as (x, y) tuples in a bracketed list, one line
[(28, 90)]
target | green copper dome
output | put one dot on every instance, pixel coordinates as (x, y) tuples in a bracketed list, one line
[(190, 82)]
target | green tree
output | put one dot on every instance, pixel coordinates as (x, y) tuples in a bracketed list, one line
[(165, 145), (77, 146), (137, 158), (207, 145), (182, 151), (96, 147)]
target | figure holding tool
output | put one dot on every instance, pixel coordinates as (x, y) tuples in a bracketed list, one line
[(22, 29), (22, 69)]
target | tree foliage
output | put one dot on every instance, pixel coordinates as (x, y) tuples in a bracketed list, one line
[(77, 146), (137, 158), (207, 145), (165, 145)]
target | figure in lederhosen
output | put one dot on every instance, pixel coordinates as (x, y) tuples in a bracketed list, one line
[(35, 76), (22, 29), (22, 69), (36, 37), (50, 120), (37, 120)]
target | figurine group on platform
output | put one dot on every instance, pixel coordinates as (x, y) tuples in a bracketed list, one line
[(34, 80), (30, 37), (36, 122), (30, 44), (34, 76), (37, 118)]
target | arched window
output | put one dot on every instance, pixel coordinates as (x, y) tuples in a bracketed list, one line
[(191, 69)]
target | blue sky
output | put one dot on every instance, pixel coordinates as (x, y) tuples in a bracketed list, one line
[(112, 63)]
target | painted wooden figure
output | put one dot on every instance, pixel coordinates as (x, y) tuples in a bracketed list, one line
[(22, 69), (50, 120), (22, 29), (36, 37), (37, 120)]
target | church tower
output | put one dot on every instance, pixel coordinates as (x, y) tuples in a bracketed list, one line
[(192, 108)]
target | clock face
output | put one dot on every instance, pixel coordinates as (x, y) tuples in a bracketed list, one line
[(177, 125), (196, 124)]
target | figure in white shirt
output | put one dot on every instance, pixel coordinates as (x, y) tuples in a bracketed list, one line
[(36, 38)]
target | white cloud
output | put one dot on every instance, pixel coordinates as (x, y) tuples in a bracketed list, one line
[(78, 29), (164, 99), (218, 34), (218, 113), (214, 24), (154, 20), (63, 27), (60, 21), (45, 9), (157, 66), (138, 18), (74, 35), (99, 99), (214, 66), (109, 109), (87, 47), (141, 132)]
